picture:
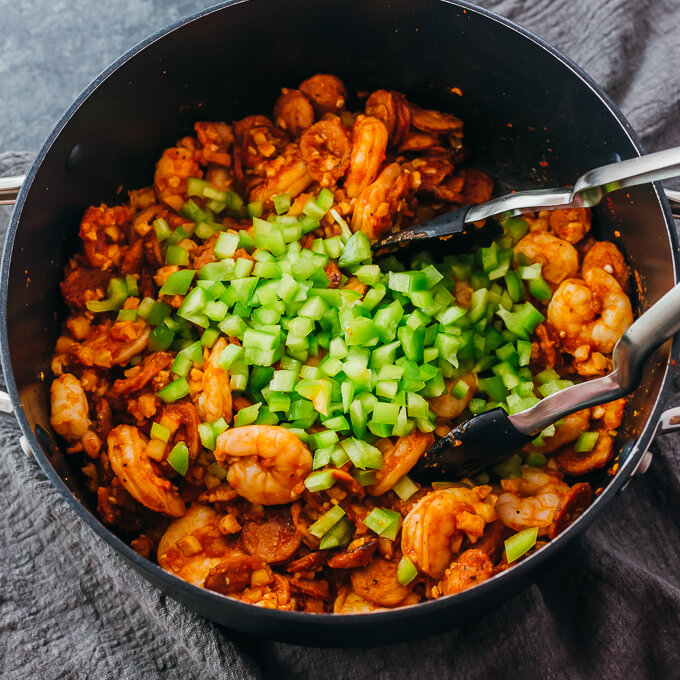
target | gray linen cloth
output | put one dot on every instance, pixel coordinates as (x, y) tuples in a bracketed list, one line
[(70, 607)]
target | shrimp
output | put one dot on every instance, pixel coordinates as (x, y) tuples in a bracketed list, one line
[(447, 406), (530, 500), (434, 122), (286, 174), (293, 112), (325, 149), (399, 460), (607, 256), (70, 413), (435, 527), (379, 202), (267, 464), (170, 178), (369, 142), (573, 462), (570, 224), (111, 345), (377, 582), (470, 568), (217, 139), (131, 464), (103, 235), (590, 313), (193, 545), (558, 258), (214, 401), (392, 109), (327, 92)]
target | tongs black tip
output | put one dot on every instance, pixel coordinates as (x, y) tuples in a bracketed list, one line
[(449, 230), (473, 446)]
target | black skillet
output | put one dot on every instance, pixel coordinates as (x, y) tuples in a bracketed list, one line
[(532, 118)]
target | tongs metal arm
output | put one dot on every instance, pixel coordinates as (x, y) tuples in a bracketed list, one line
[(589, 189)]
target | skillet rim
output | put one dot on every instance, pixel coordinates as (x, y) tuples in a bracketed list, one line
[(207, 599)]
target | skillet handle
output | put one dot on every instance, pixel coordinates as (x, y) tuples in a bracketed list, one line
[(668, 422), (9, 188), (6, 405), (673, 197)]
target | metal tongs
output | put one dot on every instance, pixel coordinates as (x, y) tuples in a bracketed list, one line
[(490, 437), (589, 190)]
